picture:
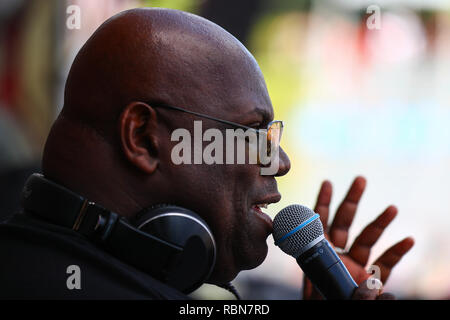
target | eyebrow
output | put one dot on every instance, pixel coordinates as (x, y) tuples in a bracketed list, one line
[(264, 113)]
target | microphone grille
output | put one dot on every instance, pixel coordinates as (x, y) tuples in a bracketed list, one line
[(297, 228)]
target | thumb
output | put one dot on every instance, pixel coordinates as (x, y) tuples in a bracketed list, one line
[(370, 289)]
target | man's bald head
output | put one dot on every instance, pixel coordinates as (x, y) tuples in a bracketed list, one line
[(154, 54), (149, 54), (112, 144)]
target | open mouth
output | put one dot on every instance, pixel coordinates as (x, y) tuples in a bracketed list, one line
[(263, 204), (258, 207)]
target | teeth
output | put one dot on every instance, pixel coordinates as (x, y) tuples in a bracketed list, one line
[(263, 205)]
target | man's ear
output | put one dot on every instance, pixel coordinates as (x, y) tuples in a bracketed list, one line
[(138, 129)]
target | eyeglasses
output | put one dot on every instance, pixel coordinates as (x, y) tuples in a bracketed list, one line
[(273, 132)]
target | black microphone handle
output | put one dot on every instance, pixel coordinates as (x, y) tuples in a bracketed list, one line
[(326, 271)]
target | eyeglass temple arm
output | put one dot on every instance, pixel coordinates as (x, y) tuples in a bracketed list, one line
[(161, 105)]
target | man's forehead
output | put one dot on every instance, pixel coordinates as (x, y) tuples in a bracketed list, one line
[(247, 111), (197, 64), (202, 60)]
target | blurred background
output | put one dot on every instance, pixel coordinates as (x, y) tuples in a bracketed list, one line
[(363, 88)]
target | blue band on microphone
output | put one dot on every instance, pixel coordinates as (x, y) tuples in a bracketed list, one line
[(301, 226)]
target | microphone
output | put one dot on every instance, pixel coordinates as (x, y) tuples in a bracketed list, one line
[(297, 230)]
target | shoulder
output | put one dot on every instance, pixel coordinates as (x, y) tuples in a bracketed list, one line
[(44, 261)]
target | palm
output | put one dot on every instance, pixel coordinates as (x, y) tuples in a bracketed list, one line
[(357, 256)]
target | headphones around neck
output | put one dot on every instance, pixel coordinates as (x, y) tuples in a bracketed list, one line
[(170, 243)]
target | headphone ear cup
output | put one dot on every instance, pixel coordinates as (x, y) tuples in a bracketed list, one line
[(185, 229)]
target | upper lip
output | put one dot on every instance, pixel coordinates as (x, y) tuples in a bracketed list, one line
[(272, 198)]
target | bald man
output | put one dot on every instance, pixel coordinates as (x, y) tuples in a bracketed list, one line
[(112, 144)]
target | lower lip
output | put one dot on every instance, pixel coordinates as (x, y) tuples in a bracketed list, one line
[(263, 216)]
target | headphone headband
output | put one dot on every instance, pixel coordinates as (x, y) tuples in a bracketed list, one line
[(178, 265)]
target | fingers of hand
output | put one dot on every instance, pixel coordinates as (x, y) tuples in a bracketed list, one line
[(346, 212), (366, 291), (372, 289), (323, 203), (360, 250), (392, 256), (386, 296)]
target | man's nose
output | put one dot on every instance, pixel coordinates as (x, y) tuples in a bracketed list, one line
[(284, 165)]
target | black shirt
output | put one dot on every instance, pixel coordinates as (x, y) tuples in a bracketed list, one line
[(36, 259)]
